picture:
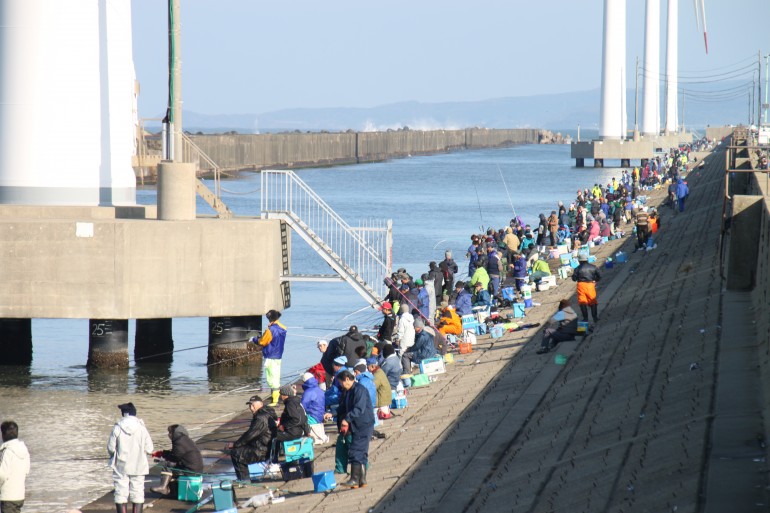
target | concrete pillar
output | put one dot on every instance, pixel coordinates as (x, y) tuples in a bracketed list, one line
[(612, 117), (15, 341), (651, 84), (598, 162), (176, 191), (108, 343), (153, 341), (229, 339), (580, 162), (625, 162)]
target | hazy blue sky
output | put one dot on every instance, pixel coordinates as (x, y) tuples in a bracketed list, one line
[(253, 56)]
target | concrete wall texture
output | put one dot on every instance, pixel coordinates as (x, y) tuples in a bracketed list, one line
[(77, 267), (264, 151)]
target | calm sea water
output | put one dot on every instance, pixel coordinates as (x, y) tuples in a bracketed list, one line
[(65, 413)]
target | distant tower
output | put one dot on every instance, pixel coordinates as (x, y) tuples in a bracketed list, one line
[(612, 118), (672, 122), (651, 98), (66, 103)]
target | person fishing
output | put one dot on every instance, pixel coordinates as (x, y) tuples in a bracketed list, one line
[(586, 275), (272, 342), (184, 458)]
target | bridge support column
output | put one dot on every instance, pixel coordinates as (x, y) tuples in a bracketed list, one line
[(598, 162), (15, 341), (625, 162), (108, 343), (580, 162), (153, 341), (229, 339)]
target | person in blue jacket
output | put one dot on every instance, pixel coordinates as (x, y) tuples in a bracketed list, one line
[(314, 402), (391, 365), (482, 297), (423, 301), (681, 193), (356, 417), (272, 341), (463, 301), (333, 394), (520, 271), (424, 347)]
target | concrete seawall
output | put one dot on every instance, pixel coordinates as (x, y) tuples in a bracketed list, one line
[(263, 151)]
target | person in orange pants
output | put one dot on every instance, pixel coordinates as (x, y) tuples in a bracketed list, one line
[(449, 323), (586, 275)]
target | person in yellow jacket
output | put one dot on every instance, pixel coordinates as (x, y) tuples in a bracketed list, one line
[(272, 342)]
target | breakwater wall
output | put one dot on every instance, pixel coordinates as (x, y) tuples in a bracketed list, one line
[(233, 152)]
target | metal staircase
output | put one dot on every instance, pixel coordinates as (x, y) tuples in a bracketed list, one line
[(359, 255), (192, 153)]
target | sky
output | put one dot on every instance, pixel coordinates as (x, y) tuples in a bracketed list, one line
[(254, 56)]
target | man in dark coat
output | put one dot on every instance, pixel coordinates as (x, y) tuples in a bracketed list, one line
[(437, 276), (254, 445), (423, 347), (388, 322), (586, 275), (449, 267), (356, 417), (349, 342), (293, 423), (184, 457)]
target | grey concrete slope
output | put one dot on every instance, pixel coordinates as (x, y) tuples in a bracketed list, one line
[(624, 426)]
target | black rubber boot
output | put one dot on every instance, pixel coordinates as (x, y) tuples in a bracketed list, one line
[(138, 508), (584, 311), (121, 508), (163, 488), (595, 313), (362, 476), (355, 476)]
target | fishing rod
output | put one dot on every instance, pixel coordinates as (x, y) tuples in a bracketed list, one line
[(478, 200), (506, 190)]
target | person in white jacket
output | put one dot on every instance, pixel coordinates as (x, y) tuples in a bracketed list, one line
[(128, 446), (14, 468), (405, 329)]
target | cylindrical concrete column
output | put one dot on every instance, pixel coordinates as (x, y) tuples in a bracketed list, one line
[(612, 117), (625, 162), (229, 339), (651, 98), (108, 343), (672, 67), (176, 191), (15, 341), (153, 341), (580, 162)]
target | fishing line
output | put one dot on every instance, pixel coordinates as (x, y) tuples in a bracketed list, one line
[(506, 190)]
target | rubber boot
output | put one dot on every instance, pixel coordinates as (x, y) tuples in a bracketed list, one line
[(121, 508), (362, 476), (595, 313), (275, 396), (137, 507), (355, 476), (163, 488)]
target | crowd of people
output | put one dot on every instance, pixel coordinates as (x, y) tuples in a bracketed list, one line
[(358, 374)]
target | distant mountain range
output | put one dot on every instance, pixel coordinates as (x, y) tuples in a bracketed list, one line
[(550, 111)]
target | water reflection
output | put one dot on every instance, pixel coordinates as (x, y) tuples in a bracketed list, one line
[(224, 378), (152, 377), (110, 381), (16, 376)]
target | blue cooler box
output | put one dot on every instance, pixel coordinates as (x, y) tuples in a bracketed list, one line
[(296, 449), (518, 310), (190, 488), (324, 481)]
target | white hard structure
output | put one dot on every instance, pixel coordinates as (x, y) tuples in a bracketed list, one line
[(651, 98), (613, 117), (672, 68), (67, 103)]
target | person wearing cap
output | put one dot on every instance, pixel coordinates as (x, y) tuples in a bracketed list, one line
[(463, 301), (319, 370), (184, 458), (253, 445), (14, 468), (423, 302), (293, 423), (481, 297), (385, 333), (314, 402), (355, 418), (423, 348), (586, 275), (390, 364), (449, 268), (333, 394), (272, 342), (128, 446), (382, 386), (562, 327)]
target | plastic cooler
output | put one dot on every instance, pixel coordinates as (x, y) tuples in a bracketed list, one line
[(190, 488), (300, 448)]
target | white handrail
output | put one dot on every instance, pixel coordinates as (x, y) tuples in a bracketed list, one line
[(361, 254)]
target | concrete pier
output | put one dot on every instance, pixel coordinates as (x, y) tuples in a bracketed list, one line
[(108, 344), (15, 341), (659, 409), (153, 341), (229, 339)]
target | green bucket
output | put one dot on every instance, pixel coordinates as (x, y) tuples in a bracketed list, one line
[(559, 359)]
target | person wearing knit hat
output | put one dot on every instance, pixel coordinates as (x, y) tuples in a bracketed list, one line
[(586, 275), (272, 342), (128, 458), (293, 423)]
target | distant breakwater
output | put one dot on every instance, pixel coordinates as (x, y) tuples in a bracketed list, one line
[(244, 152)]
